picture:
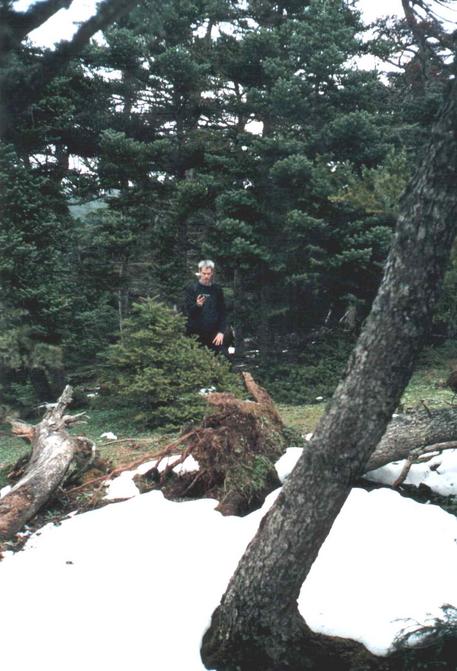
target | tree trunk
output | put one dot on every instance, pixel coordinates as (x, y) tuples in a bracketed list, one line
[(238, 302), (264, 335), (53, 449), (257, 624), (410, 435)]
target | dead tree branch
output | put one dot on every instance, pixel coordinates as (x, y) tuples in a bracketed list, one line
[(53, 450)]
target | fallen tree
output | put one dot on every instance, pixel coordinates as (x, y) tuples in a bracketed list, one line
[(236, 447), (242, 434), (415, 437), (53, 451)]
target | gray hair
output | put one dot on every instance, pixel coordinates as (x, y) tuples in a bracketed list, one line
[(206, 263)]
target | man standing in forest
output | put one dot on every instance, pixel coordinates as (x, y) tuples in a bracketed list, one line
[(205, 308)]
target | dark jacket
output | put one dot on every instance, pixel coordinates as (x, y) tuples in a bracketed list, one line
[(210, 318)]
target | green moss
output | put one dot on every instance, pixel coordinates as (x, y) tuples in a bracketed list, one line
[(11, 449), (250, 478)]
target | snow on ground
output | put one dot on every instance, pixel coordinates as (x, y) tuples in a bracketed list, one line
[(123, 486), (133, 584), (440, 473), (371, 580)]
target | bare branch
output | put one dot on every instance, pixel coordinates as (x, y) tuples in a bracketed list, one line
[(108, 12), (404, 473), (439, 447), (420, 456), (56, 410), (426, 26), (54, 61), (68, 420), (20, 24), (22, 429)]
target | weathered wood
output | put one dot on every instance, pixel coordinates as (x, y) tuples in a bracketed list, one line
[(53, 450), (409, 436), (261, 396), (412, 436)]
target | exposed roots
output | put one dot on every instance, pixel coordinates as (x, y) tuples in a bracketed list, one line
[(235, 447)]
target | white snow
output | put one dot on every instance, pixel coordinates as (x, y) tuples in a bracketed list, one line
[(206, 390), (285, 464), (133, 584), (123, 487), (439, 473), (5, 490)]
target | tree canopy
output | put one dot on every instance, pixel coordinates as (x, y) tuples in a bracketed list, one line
[(247, 132)]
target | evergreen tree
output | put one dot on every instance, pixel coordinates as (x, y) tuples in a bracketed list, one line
[(35, 283), (157, 124), (306, 250), (158, 372)]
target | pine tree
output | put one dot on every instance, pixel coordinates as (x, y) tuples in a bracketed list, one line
[(158, 371), (34, 280)]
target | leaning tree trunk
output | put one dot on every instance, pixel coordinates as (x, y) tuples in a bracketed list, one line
[(257, 624), (53, 449)]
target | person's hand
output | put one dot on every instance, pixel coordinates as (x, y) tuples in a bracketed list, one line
[(200, 300), (219, 339)]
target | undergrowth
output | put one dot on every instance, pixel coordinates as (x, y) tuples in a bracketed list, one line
[(308, 376), (298, 406)]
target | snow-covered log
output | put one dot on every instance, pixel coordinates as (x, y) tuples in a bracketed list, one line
[(412, 436), (53, 450)]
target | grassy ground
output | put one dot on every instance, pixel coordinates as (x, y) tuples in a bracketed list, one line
[(425, 387), (129, 445)]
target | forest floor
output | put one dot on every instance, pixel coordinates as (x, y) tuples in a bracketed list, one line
[(129, 442), (426, 387)]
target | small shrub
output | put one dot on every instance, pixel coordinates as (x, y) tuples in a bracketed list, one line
[(158, 371)]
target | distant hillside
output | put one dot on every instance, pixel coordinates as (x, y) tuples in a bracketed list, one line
[(81, 210)]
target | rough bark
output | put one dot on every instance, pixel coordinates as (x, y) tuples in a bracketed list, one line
[(53, 450), (257, 624), (409, 436)]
